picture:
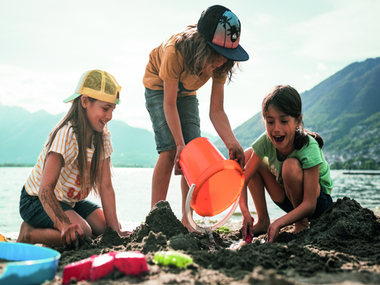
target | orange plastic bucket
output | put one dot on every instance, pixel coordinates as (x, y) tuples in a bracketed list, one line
[(218, 182)]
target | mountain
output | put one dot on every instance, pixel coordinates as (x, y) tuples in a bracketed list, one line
[(343, 101), (344, 109), (132, 146), (23, 136)]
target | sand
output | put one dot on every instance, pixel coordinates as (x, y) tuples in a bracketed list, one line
[(341, 247)]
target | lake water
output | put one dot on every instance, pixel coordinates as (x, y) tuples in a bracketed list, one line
[(133, 195)]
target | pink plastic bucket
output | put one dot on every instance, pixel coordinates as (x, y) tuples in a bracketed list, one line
[(218, 182)]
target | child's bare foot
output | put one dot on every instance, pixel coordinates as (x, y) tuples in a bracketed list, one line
[(24, 235), (300, 226), (260, 228), (186, 223)]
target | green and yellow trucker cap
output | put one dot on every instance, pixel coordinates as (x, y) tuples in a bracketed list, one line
[(97, 84)]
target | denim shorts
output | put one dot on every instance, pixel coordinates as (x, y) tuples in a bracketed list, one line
[(323, 202), (188, 111), (33, 213)]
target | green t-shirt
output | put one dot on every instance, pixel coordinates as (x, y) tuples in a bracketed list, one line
[(309, 155)]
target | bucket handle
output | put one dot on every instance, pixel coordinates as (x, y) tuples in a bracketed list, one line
[(213, 227)]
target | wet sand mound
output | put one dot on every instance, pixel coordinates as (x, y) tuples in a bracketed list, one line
[(343, 244)]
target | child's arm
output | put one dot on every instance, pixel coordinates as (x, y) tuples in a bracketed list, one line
[(253, 163), (222, 125), (107, 195), (172, 118), (311, 191), (50, 175)]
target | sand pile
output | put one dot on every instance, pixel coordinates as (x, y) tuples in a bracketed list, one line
[(343, 244)]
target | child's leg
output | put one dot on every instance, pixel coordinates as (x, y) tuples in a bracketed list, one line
[(32, 235), (188, 112), (185, 191), (93, 215), (264, 178), (161, 176), (292, 174), (165, 144), (50, 236), (97, 222), (256, 187)]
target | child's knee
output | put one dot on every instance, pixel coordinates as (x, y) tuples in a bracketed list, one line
[(87, 231), (292, 169), (100, 228), (83, 224), (168, 155)]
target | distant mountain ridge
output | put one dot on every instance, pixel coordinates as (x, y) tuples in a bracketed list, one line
[(343, 109), (24, 134)]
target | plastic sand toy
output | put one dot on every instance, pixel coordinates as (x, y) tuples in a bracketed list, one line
[(249, 237), (172, 257), (98, 266), (28, 264), (223, 230)]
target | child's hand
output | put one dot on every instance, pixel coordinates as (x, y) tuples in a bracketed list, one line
[(273, 232), (247, 226), (68, 233), (177, 167), (236, 153)]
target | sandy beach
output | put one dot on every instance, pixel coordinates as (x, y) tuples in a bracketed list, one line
[(341, 247)]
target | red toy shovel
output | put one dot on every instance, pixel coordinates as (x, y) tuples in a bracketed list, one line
[(98, 266), (101, 266), (131, 262), (248, 239), (79, 270)]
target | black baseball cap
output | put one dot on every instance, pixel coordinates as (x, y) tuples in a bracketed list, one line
[(221, 28)]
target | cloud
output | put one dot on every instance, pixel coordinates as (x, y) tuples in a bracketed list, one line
[(298, 43), (345, 31), (321, 66), (34, 90)]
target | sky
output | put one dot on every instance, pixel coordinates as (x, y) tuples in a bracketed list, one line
[(45, 46)]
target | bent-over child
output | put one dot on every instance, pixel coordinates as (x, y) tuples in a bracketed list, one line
[(287, 160), (176, 70), (74, 162)]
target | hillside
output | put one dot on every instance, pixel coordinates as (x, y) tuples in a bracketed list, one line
[(343, 101), (23, 140), (23, 134), (344, 109)]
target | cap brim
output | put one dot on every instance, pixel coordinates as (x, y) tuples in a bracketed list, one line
[(71, 98), (236, 54)]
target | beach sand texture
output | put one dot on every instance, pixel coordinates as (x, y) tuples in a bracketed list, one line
[(341, 247)]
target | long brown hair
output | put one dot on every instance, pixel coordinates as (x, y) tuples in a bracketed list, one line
[(287, 100), (77, 116), (197, 53)]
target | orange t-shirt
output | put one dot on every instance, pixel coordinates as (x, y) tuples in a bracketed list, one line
[(166, 64)]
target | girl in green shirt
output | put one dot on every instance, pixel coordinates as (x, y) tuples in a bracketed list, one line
[(288, 161)]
